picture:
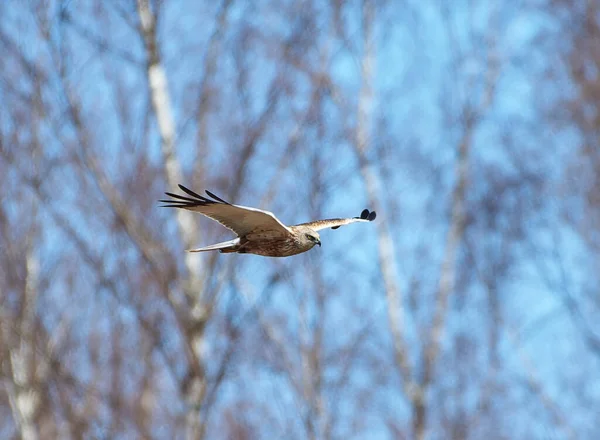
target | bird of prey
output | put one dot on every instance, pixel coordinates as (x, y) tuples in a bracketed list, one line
[(258, 232)]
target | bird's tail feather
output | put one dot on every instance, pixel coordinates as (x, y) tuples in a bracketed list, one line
[(217, 246)]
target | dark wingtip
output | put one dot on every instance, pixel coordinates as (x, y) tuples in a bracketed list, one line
[(191, 199), (190, 192), (216, 197), (372, 216), (364, 214), (334, 227)]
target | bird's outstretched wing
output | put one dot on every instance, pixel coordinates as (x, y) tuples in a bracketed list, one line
[(335, 223), (240, 219)]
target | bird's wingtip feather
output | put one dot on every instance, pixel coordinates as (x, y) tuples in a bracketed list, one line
[(210, 194)]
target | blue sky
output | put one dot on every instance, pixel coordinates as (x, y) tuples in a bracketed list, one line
[(420, 91)]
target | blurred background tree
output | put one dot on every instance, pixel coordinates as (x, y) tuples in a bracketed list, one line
[(468, 310)]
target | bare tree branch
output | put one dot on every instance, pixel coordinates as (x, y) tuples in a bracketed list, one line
[(387, 254), (161, 102)]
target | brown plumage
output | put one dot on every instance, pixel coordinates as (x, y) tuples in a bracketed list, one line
[(258, 232)]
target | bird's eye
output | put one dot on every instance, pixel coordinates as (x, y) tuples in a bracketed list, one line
[(310, 237)]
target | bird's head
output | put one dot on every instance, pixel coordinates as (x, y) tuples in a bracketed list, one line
[(314, 237), (309, 237)]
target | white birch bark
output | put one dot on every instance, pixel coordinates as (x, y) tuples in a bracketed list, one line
[(195, 383), (387, 254)]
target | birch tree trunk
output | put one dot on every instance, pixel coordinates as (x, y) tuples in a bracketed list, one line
[(195, 383), (386, 251)]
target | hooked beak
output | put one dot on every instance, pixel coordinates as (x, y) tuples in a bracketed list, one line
[(319, 243)]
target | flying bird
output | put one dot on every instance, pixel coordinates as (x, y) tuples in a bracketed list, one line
[(258, 232)]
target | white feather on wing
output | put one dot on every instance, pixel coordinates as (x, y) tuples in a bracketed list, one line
[(335, 223), (240, 219)]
